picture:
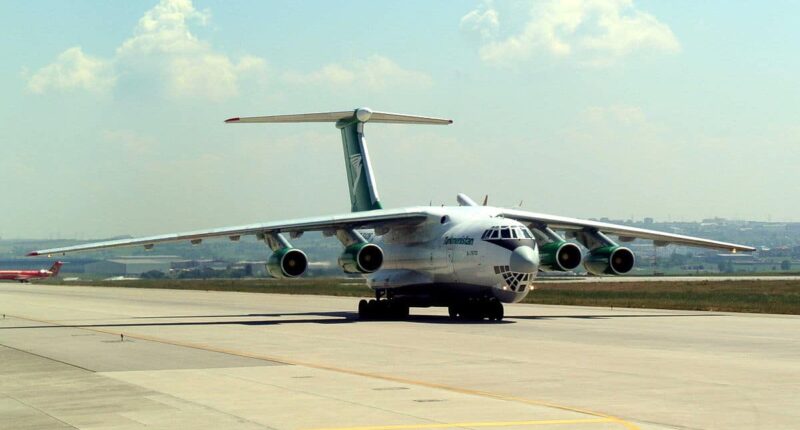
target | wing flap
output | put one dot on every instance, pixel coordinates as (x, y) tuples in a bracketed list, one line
[(625, 233)]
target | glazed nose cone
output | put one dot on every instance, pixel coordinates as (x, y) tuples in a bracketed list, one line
[(524, 259)]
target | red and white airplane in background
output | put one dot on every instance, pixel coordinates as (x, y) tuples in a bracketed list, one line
[(27, 275)]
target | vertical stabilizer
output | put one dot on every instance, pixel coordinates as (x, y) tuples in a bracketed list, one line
[(54, 269), (360, 176)]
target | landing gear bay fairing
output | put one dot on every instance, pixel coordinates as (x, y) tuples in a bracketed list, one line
[(470, 258)]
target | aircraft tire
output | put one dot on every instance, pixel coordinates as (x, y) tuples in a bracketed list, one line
[(496, 312), (364, 311), (473, 311)]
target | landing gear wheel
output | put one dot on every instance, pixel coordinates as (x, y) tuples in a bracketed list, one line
[(382, 310), (363, 310), (471, 312), (496, 311)]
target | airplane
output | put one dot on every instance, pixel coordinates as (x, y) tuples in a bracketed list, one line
[(27, 275), (469, 258)]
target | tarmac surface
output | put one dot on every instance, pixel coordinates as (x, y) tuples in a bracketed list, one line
[(125, 358)]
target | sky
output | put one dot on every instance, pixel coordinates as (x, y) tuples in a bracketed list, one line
[(112, 112)]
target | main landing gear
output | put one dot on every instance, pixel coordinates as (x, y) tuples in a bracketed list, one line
[(382, 309), (477, 310)]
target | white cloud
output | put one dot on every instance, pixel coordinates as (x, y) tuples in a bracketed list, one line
[(483, 21), (375, 72), (191, 67), (74, 70), (596, 32), (164, 47), (164, 50)]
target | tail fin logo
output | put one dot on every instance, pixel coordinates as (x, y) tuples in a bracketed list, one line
[(357, 165)]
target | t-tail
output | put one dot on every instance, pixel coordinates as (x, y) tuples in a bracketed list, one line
[(360, 176), (55, 268)]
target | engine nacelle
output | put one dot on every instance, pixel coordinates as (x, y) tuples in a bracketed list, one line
[(287, 263), (610, 260), (361, 258), (561, 256)]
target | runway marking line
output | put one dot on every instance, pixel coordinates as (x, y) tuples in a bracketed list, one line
[(468, 391), (475, 424)]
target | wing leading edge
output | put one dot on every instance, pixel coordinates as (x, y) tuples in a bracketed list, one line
[(624, 232), (371, 219)]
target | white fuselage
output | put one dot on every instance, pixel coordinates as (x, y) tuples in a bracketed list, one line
[(462, 251)]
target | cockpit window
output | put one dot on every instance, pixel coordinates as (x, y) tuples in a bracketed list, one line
[(504, 233), (527, 233), (494, 234), (515, 234)]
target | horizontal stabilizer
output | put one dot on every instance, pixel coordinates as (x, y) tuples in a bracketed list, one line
[(360, 114)]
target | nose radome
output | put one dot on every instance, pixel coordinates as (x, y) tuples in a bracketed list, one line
[(524, 259)]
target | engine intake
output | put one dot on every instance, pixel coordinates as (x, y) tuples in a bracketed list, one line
[(287, 263), (561, 256), (361, 258), (610, 260)]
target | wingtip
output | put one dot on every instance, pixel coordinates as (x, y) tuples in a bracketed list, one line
[(229, 120)]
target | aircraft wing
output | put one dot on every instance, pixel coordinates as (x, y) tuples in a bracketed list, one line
[(625, 233), (367, 219)]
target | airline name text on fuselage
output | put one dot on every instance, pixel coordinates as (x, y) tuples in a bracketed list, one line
[(466, 240)]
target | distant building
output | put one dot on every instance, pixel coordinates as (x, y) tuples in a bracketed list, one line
[(131, 265), (256, 269)]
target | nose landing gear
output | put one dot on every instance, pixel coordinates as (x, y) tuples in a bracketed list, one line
[(477, 310)]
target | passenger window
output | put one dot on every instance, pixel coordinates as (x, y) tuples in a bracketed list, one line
[(505, 234)]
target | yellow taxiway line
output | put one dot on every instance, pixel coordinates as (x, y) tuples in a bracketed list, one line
[(599, 415)]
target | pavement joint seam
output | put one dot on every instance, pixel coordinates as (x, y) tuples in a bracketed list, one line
[(46, 357), (40, 410)]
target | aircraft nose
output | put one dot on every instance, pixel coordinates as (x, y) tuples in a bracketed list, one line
[(524, 259)]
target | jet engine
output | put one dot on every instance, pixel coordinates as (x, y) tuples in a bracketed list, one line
[(361, 258), (609, 260), (287, 263), (561, 255)]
